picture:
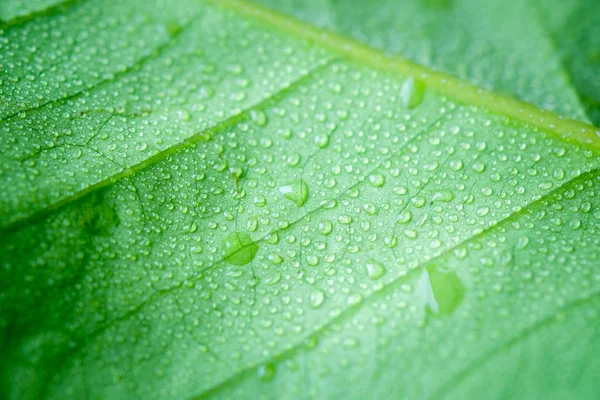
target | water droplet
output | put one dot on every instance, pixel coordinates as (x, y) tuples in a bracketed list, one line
[(316, 298), (266, 372), (412, 93), (377, 180), (410, 233), (296, 192), (404, 217), (443, 195), (259, 117), (375, 269), (478, 166), (441, 290), (456, 165), (322, 140), (239, 248), (345, 219), (275, 259), (259, 200), (418, 201), (483, 211), (355, 299), (325, 227)]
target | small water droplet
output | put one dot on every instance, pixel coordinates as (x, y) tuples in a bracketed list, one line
[(322, 140), (377, 180), (325, 227), (375, 269), (259, 117)]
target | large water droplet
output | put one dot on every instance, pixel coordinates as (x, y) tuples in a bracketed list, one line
[(404, 217), (322, 140), (296, 192), (316, 298), (239, 248), (441, 290), (412, 93)]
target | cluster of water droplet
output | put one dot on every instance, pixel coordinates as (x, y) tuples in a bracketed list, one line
[(325, 228)]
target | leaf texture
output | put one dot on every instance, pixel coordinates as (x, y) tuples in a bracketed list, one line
[(213, 200)]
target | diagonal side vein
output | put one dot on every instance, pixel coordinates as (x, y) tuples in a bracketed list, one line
[(460, 377), (153, 54), (17, 224), (389, 287)]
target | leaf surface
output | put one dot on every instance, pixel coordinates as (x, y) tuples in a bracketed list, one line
[(543, 52), (215, 200)]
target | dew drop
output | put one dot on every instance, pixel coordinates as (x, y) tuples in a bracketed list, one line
[(296, 192), (377, 180), (239, 248), (375, 269), (259, 117), (443, 195), (316, 298), (325, 227), (412, 93), (478, 166), (442, 290), (322, 141), (404, 217), (266, 372)]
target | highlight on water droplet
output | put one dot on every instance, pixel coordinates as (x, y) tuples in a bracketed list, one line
[(375, 269), (259, 117), (239, 248), (316, 298), (296, 192), (377, 180), (325, 227), (443, 195), (322, 140), (266, 372), (404, 217), (412, 92), (441, 290)]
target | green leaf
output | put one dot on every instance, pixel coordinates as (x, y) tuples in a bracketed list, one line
[(214, 200)]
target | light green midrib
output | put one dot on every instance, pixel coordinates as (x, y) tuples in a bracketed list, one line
[(388, 287), (349, 49), (565, 128), (381, 59)]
